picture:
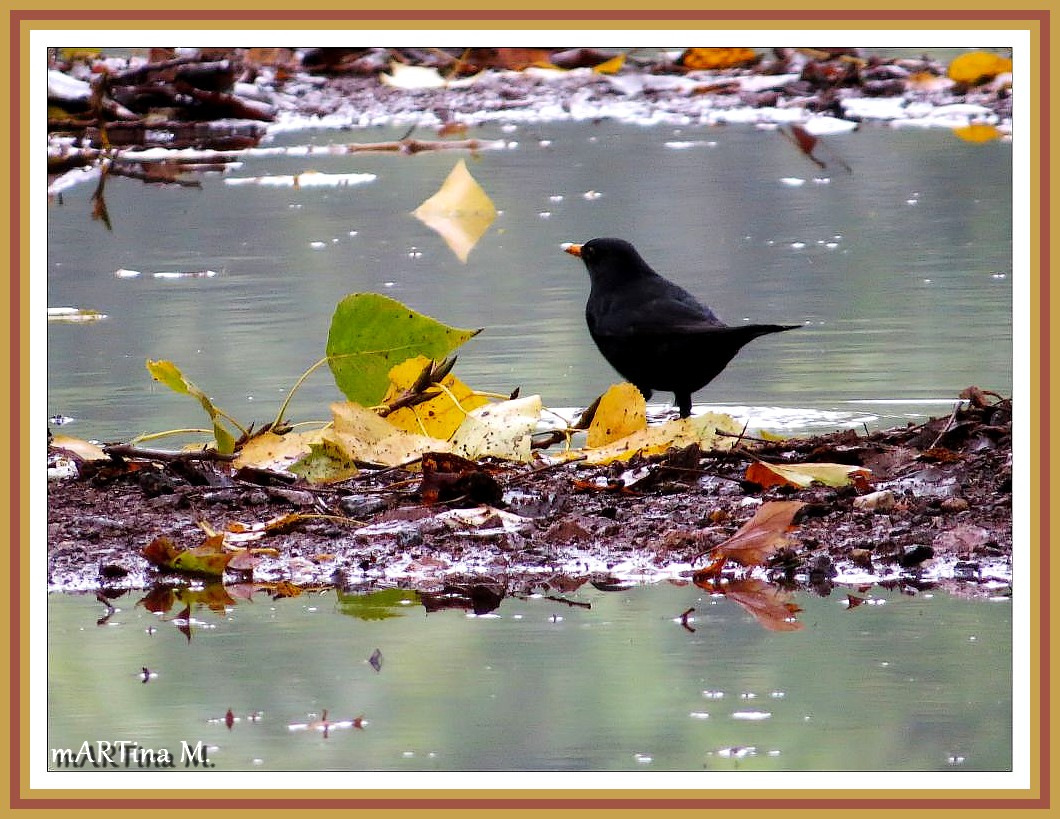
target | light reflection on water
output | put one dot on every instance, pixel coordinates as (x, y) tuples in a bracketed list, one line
[(543, 685)]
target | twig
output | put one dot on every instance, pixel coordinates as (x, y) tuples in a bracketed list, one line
[(129, 451)]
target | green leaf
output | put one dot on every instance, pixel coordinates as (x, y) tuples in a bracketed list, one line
[(370, 333), (169, 374)]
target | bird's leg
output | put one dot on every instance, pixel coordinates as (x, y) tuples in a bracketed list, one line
[(684, 403)]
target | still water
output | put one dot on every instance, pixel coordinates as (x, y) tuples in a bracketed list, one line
[(899, 683), (900, 271)]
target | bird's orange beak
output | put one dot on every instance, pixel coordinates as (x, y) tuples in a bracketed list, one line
[(572, 249)]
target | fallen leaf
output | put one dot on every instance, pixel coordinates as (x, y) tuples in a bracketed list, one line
[(621, 411), (703, 430), (712, 59), (756, 541), (802, 475), (977, 67), (461, 211), (76, 446), (438, 417), (501, 430)]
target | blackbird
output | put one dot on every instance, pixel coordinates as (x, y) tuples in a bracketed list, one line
[(656, 334)]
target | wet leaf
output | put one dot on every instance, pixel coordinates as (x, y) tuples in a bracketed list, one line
[(501, 430), (461, 211), (612, 66), (267, 450), (208, 560), (376, 660), (327, 462), (169, 374), (371, 333), (438, 417), (447, 477), (621, 411), (756, 541), (802, 475), (712, 59), (658, 439), (76, 446), (977, 67), (363, 436)]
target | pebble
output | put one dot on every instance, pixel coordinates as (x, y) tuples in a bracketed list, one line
[(878, 502)]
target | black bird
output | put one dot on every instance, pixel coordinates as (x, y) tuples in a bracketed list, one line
[(656, 334)]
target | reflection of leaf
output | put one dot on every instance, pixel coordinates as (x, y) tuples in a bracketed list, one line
[(370, 333), (438, 417), (169, 374), (460, 211), (802, 475), (379, 605), (620, 412), (977, 66), (756, 540), (656, 440), (977, 132), (770, 606)]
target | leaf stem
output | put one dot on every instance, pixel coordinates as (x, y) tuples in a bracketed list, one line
[(297, 384)]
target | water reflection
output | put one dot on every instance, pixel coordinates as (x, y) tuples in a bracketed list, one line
[(509, 690)]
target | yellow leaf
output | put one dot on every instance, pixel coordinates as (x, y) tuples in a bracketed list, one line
[(621, 412), (802, 475), (460, 212), (977, 132), (364, 436), (711, 59), (277, 452), (439, 417), (977, 67), (656, 440), (612, 66), (502, 430), (82, 449)]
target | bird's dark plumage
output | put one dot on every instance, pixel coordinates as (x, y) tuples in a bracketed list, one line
[(656, 334)]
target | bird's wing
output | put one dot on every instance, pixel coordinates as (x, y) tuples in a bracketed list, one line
[(657, 315)]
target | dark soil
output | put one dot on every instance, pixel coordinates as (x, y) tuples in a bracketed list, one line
[(945, 518)]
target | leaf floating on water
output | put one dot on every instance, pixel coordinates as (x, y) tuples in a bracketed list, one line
[(460, 212), (209, 560), (371, 333), (376, 660), (620, 412), (802, 475)]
